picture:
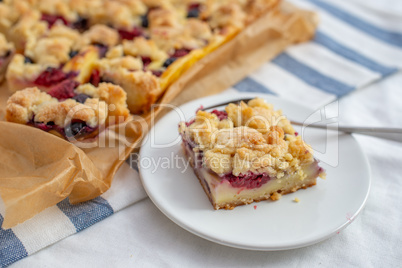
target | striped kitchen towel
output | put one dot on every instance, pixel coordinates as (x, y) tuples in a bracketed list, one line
[(354, 47)]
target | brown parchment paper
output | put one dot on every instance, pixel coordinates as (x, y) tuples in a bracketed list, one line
[(38, 170)]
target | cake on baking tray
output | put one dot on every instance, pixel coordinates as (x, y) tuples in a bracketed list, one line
[(72, 113), (143, 46), (247, 153)]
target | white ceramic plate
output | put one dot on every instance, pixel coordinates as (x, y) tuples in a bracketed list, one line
[(323, 210)]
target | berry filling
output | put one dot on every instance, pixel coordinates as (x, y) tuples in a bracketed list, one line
[(144, 21), (168, 62), (78, 129), (45, 127), (95, 78), (51, 19), (193, 10), (156, 73), (146, 61), (194, 6), (28, 60), (8, 53), (220, 114), (4, 58), (81, 24), (189, 123), (102, 49), (75, 129), (249, 180), (181, 52), (52, 76), (73, 53), (81, 98), (64, 90), (135, 32)]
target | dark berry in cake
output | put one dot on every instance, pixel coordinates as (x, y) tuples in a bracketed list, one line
[(102, 49), (168, 62), (81, 24), (81, 98), (75, 128), (193, 13), (193, 10), (28, 60), (73, 53), (144, 21)]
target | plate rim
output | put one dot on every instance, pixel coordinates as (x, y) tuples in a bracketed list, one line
[(242, 245)]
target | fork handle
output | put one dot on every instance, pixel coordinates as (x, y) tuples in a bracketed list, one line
[(394, 134)]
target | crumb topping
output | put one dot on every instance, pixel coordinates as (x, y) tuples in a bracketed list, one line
[(28, 27), (113, 13), (50, 51), (60, 30), (98, 34), (5, 47), (130, 63), (228, 15), (33, 104), (110, 94), (141, 47), (19, 71), (57, 7), (255, 138)]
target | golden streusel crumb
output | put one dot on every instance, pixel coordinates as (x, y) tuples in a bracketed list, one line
[(252, 139), (5, 47), (276, 196)]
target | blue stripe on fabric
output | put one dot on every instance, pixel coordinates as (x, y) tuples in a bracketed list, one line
[(87, 213), (352, 55), (250, 85), (132, 161), (311, 76), (389, 37), (11, 248)]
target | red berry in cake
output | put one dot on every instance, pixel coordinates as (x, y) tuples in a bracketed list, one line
[(95, 78), (50, 76), (220, 114), (180, 52), (250, 180), (135, 32), (64, 90), (51, 19)]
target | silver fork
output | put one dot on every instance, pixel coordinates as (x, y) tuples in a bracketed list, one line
[(394, 134)]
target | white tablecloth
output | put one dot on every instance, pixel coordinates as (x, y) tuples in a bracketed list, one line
[(141, 235)]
